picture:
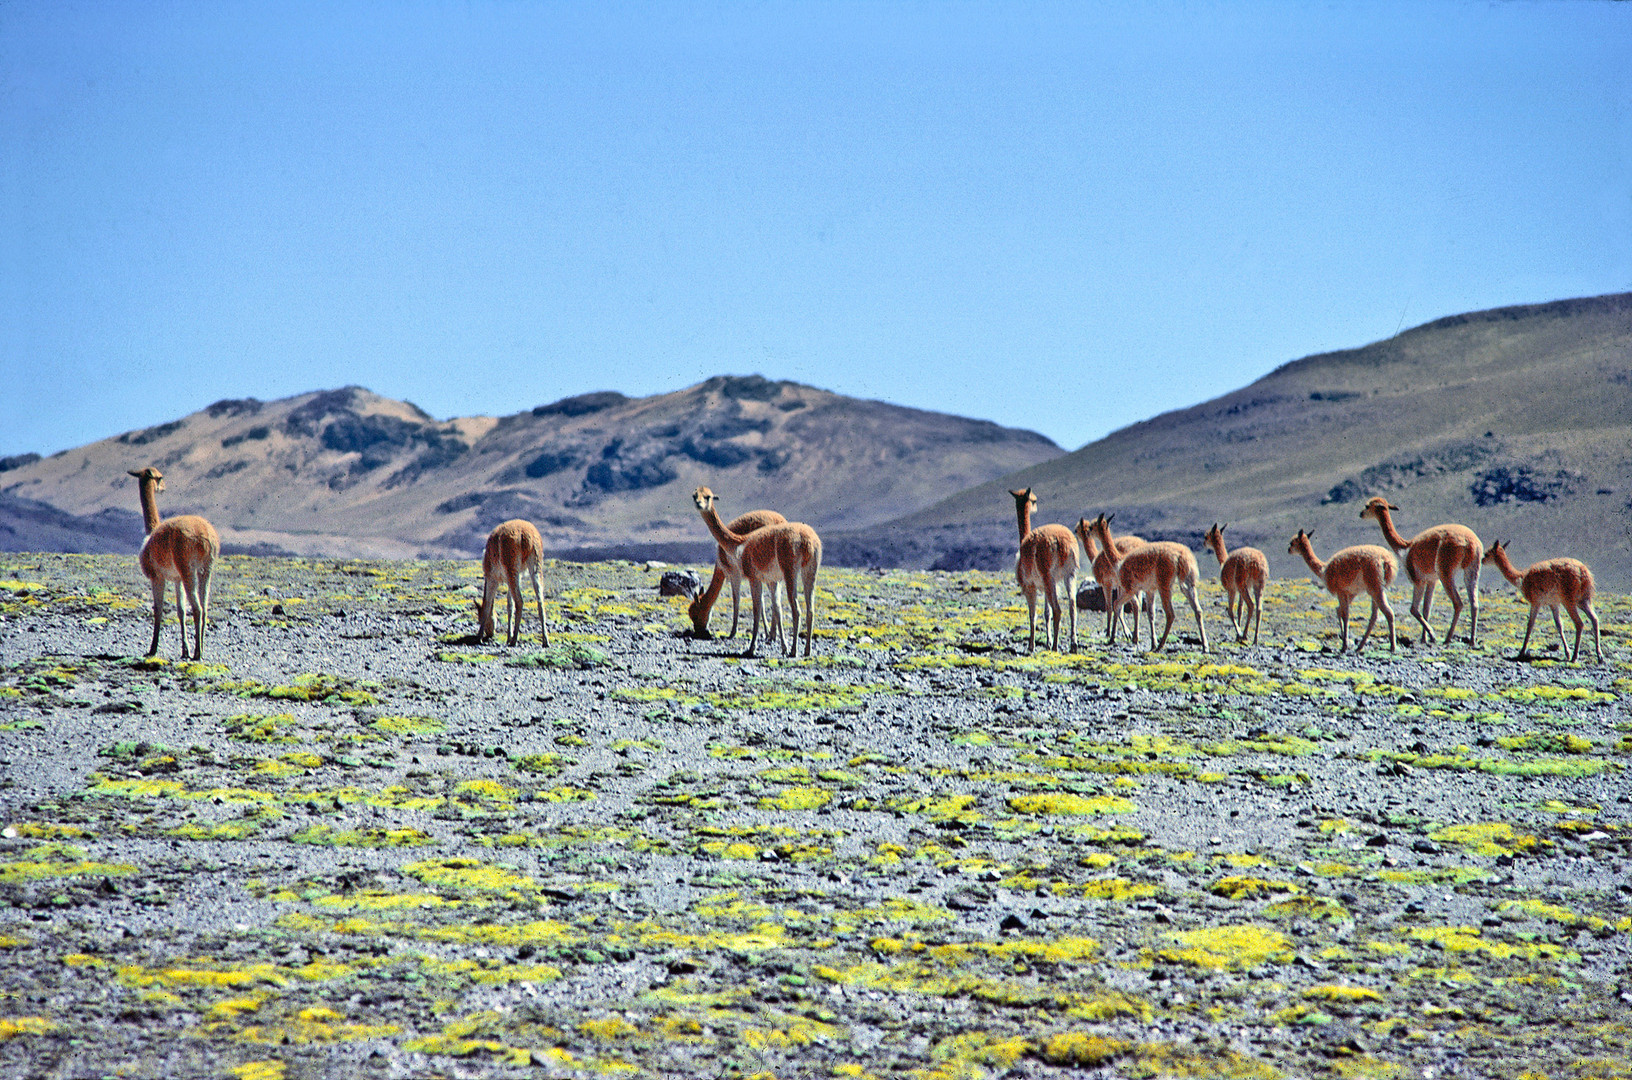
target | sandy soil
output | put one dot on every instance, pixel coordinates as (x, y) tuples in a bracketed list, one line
[(352, 842)]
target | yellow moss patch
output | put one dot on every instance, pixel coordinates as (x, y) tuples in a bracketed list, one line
[(385, 901), (798, 798), (234, 1007), (325, 835), (567, 793), (39, 830), (609, 1029), (1117, 889), (57, 861), (1066, 803), (1235, 947), (259, 1070), (1249, 888), (1334, 992), (408, 725), (1081, 1049), (761, 937), (486, 791), (1486, 838), (136, 976), (1455, 939), (947, 808), (13, 1026), (1538, 909), (470, 875), (1321, 908)]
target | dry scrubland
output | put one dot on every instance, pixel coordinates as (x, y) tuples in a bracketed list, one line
[(351, 842)]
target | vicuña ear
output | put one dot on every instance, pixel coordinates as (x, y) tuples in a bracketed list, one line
[(133, 472)]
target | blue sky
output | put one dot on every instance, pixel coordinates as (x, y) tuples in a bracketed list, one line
[(1067, 217)]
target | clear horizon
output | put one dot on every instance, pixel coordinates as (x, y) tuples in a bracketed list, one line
[(1061, 217)]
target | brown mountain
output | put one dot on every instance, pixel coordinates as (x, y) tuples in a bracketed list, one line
[(347, 472), (1516, 422)]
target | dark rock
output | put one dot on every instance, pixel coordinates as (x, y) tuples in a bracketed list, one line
[(679, 583)]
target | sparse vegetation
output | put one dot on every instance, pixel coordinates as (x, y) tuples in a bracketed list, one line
[(921, 852)]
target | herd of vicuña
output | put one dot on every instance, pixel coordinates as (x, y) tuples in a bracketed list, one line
[(767, 550)]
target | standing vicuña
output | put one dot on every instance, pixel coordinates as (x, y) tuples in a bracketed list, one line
[(1365, 568), (1435, 554), (1152, 570), (790, 551), (723, 571), (1243, 572), (181, 549), (1047, 562), (1552, 582), (512, 547), (1102, 562)]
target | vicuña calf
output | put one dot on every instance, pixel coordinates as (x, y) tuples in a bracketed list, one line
[(1554, 582), (512, 547), (723, 571), (1436, 554), (181, 549), (1244, 573), (1047, 562), (790, 552), (1365, 568)]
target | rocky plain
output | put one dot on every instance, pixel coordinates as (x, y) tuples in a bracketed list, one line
[(353, 841)]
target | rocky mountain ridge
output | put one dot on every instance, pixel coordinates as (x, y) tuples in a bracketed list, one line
[(1515, 421), (348, 472)]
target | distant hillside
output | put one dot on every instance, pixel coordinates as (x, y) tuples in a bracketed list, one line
[(1516, 422), (349, 473)]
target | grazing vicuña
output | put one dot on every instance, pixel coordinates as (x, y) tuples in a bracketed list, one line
[(512, 546), (790, 552)]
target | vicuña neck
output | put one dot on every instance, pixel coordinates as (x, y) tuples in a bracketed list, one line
[(1390, 533), (1505, 565), (150, 505), (1316, 567), (1022, 512), (722, 535)]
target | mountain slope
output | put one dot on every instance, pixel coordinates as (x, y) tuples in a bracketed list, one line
[(1516, 422), (347, 472)]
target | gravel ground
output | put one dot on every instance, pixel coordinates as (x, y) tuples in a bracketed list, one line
[(351, 841)]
